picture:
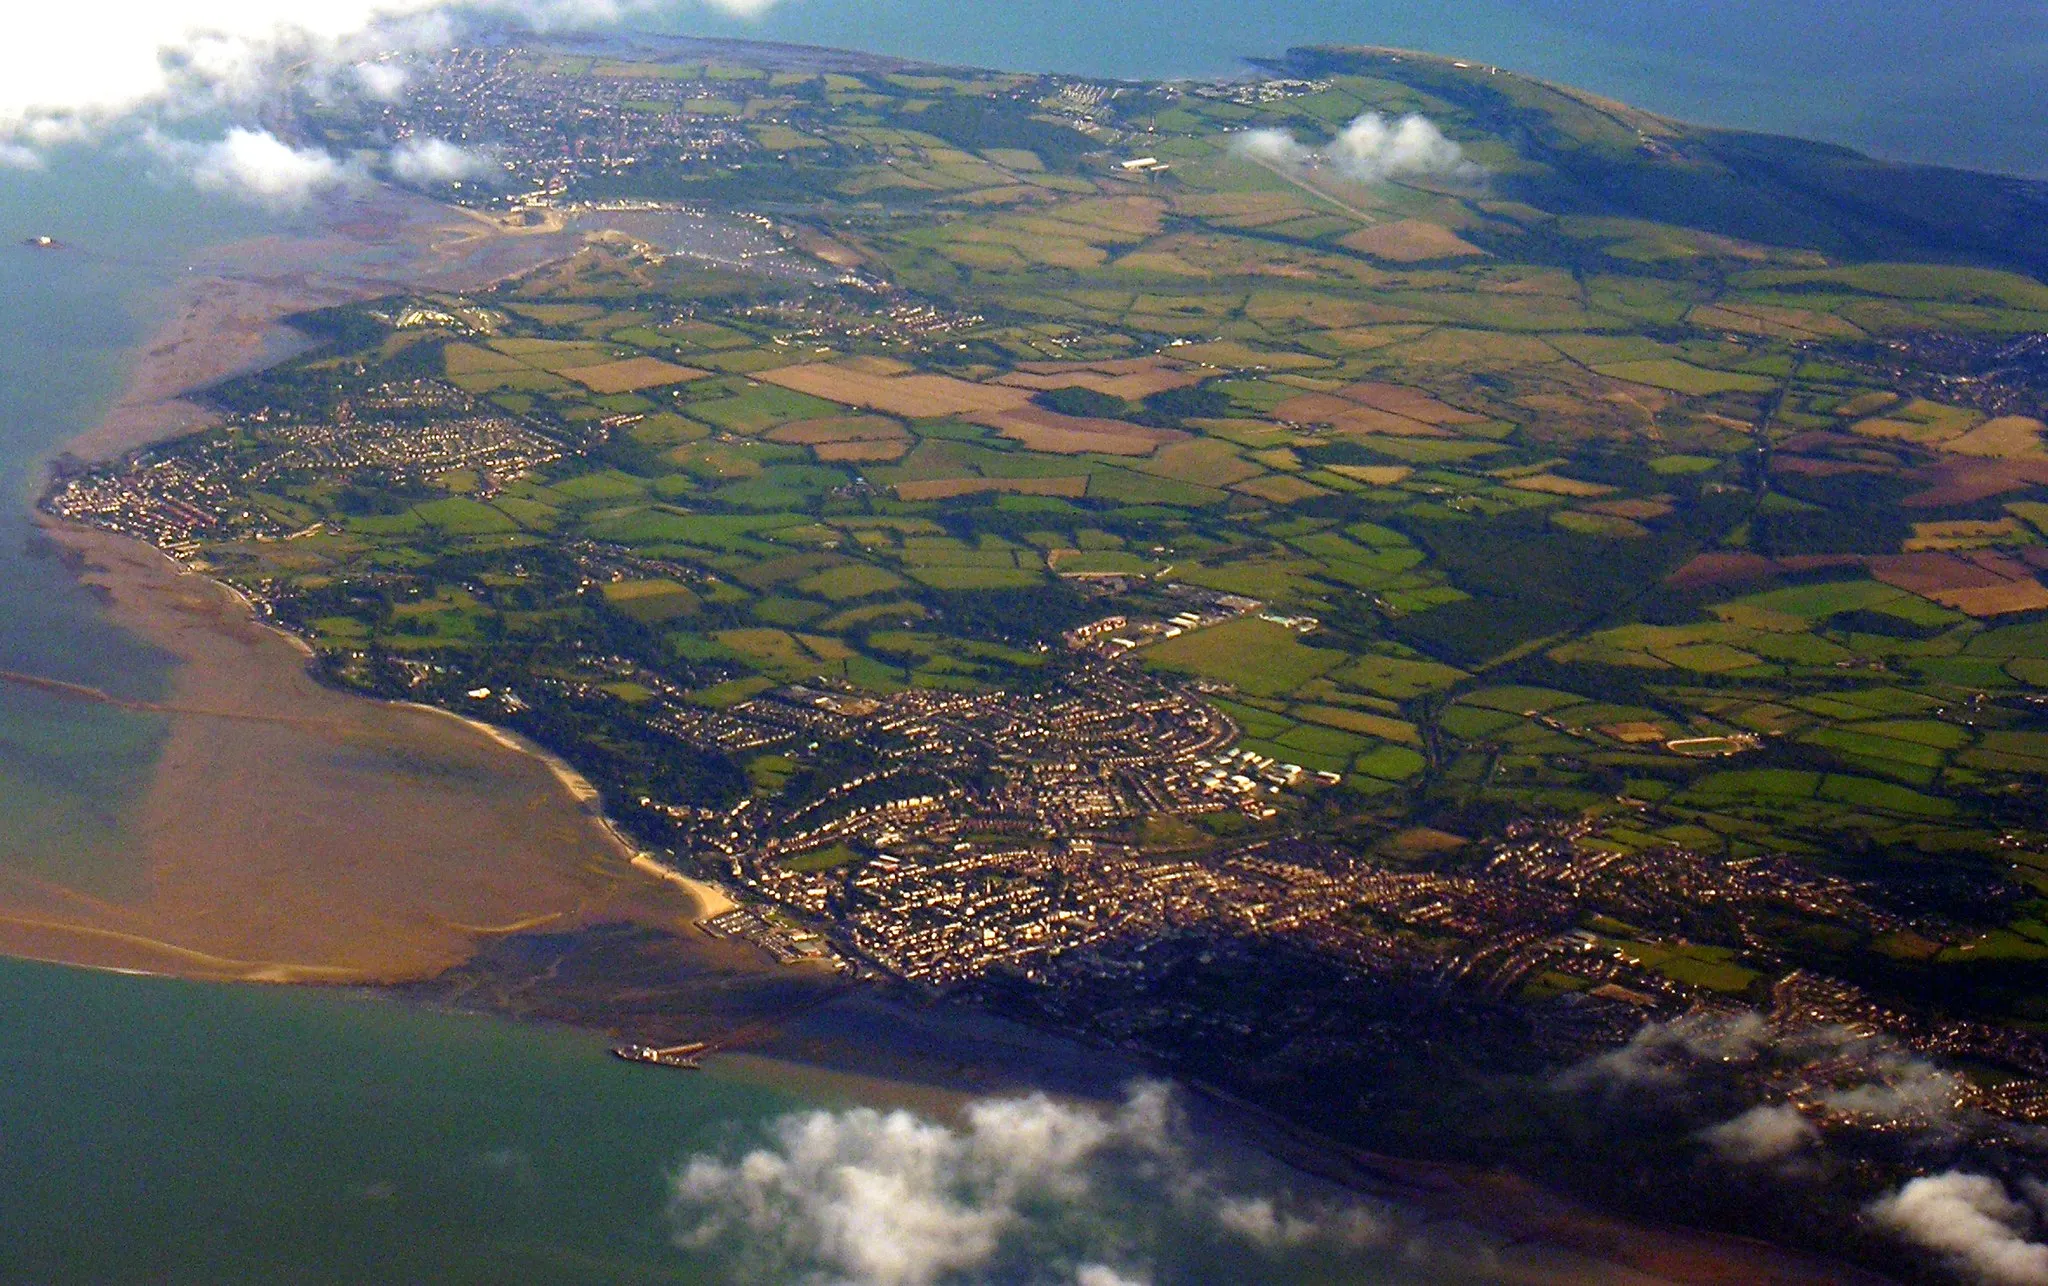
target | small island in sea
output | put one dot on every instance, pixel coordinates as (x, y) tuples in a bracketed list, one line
[(1486, 624)]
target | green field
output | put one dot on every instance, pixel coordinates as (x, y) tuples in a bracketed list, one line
[(464, 517), (651, 601), (854, 580), (1253, 656)]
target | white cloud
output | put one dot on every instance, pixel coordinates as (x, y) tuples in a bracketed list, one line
[(97, 60), (384, 82), (425, 159), (258, 166), (1666, 1053), (893, 1199), (1869, 1080), (1371, 149), (1972, 1221), (1272, 147), (896, 1200), (1261, 1222), (1256, 1220), (1897, 1086), (1763, 1134), (1104, 1275)]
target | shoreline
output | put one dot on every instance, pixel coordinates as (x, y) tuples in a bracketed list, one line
[(826, 1045), (312, 868), (251, 886), (711, 899), (226, 316)]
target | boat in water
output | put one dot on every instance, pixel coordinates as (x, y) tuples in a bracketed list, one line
[(687, 1057), (43, 243)]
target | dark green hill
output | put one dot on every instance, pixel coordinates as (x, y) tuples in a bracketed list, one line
[(1588, 155)]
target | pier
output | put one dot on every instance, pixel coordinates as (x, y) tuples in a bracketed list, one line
[(686, 1056)]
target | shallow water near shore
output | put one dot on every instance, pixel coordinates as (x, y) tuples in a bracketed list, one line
[(71, 319), (165, 1131)]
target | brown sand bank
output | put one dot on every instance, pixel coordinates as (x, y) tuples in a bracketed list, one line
[(291, 832), (295, 833)]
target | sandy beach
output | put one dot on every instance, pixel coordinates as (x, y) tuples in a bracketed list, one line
[(295, 833), (710, 899)]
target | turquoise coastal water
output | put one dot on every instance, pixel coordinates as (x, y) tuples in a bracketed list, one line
[(170, 1132), (174, 1132), (1955, 82), (163, 1131)]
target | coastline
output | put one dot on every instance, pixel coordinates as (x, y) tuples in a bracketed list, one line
[(226, 313), (222, 908), (363, 841)]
